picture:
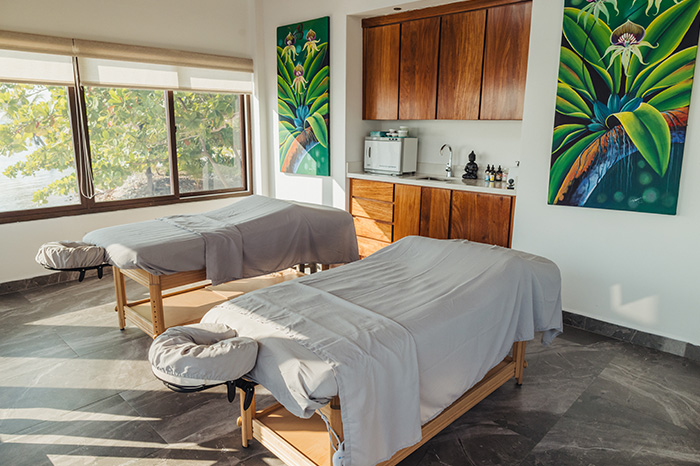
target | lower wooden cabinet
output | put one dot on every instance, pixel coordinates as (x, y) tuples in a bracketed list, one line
[(484, 218), (406, 210), (435, 213), (386, 212)]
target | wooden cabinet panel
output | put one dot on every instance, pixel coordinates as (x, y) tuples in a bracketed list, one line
[(380, 72), (372, 229), (419, 64), (435, 212), (377, 210), (367, 246), (461, 60), (406, 211), (376, 190), (505, 61), (484, 218)]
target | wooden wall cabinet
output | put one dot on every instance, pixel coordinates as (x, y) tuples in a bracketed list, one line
[(419, 69), (380, 72), (461, 60), (505, 62), (386, 212), (465, 61)]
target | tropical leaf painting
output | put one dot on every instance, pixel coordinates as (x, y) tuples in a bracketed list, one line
[(303, 97), (625, 78)]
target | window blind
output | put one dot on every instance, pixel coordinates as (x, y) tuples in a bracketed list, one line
[(28, 67), (111, 64), (114, 73)]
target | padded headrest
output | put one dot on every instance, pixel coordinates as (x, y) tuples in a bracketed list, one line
[(201, 354), (70, 255)]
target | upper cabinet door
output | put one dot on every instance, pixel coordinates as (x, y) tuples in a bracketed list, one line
[(380, 72), (461, 59), (420, 41), (505, 61)]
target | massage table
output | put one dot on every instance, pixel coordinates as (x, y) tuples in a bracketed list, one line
[(390, 349), (193, 254)]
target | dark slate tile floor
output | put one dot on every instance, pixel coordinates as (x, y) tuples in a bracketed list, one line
[(76, 390)]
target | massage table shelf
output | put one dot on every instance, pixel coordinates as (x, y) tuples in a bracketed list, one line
[(191, 298), (306, 442)]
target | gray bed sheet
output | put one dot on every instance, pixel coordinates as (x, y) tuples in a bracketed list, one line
[(463, 303), (251, 237), (154, 246)]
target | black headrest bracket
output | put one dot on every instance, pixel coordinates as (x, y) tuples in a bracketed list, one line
[(247, 386)]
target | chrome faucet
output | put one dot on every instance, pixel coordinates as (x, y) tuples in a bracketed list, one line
[(448, 168)]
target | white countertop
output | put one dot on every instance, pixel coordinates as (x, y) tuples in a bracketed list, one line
[(438, 181)]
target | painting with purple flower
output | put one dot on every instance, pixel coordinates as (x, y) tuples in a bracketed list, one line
[(625, 79), (303, 97)]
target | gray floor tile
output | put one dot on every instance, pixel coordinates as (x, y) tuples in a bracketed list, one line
[(9, 301), (179, 417), (666, 386), (108, 429), (72, 383), (600, 432), (555, 377), (92, 329)]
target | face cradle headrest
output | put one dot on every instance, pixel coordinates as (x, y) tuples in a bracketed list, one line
[(70, 255), (201, 354)]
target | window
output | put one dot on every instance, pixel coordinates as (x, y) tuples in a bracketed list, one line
[(128, 143), (209, 146), (128, 135), (37, 162)]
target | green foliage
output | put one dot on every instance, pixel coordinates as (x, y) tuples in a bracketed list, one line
[(590, 43), (649, 132), (666, 32), (127, 133), (573, 72)]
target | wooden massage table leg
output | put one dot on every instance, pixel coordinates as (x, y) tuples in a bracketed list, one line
[(120, 290), (519, 359), (155, 291), (246, 420)]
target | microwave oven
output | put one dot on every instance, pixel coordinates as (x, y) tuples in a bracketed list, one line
[(390, 156)]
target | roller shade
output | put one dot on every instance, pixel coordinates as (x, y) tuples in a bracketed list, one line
[(88, 49), (113, 73), (27, 67)]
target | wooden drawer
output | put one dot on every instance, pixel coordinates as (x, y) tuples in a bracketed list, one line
[(369, 246), (372, 229), (376, 210), (372, 190)]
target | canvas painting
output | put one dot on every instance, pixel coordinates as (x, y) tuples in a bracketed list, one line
[(625, 79), (303, 97)]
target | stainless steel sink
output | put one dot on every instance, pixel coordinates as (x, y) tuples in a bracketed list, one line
[(433, 178)]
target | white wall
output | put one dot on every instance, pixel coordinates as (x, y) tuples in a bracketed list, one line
[(632, 269), (208, 26)]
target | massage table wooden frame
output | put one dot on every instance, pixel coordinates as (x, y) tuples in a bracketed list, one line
[(156, 284), (305, 442)]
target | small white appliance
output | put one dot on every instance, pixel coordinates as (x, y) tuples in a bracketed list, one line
[(391, 156)]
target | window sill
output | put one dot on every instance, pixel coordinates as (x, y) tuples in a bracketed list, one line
[(66, 211)]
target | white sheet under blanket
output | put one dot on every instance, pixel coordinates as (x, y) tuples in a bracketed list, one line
[(419, 320)]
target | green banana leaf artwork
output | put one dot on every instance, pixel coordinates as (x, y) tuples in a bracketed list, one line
[(303, 97), (625, 78)]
